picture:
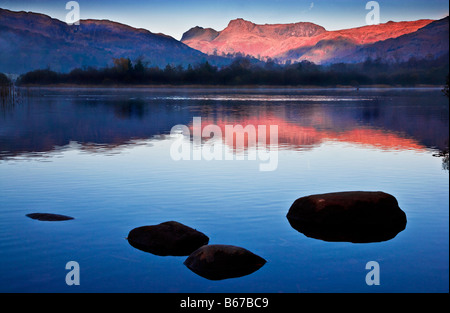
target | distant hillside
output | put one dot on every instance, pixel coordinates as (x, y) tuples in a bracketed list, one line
[(30, 41), (431, 41), (200, 33)]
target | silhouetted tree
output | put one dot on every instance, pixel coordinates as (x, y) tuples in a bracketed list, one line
[(4, 80), (122, 64)]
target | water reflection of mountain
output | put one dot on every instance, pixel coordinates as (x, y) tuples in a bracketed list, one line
[(43, 124), (294, 137), (392, 121)]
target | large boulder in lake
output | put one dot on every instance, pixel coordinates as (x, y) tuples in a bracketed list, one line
[(169, 238), (49, 217), (216, 262), (355, 216)]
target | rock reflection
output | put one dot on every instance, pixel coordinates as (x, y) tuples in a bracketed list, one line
[(218, 262), (169, 238), (347, 233), (357, 216)]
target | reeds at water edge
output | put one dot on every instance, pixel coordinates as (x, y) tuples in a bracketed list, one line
[(9, 94)]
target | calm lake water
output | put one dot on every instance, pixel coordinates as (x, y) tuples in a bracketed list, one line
[(104, 157)]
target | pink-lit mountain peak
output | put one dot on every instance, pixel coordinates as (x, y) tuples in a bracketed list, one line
[(277, 40), (280, 31)]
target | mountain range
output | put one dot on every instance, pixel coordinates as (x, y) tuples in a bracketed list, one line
[(30, 41), (393, 41)]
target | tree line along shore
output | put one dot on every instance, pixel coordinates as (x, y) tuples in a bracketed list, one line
[(244, 71)]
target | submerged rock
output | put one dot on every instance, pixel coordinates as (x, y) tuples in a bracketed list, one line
[(49, 217), (216, 262), (169, 238), (355, 216)]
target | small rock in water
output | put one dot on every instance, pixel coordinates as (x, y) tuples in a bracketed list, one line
[(355, 216), (169, 238), (217, 262), (49, 217)]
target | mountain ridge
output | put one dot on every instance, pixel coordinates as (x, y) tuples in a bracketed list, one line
[(417, 44), (315, 43), (30, 41)]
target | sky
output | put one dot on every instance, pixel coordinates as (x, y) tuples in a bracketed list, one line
[(174, 17)]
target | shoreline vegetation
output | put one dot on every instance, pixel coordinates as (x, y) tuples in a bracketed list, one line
[(203, 86), (244, 72), (7, 90)]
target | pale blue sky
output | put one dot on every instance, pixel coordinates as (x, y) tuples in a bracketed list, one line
[(177, 16)]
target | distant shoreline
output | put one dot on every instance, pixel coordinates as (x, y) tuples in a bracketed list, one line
[(191, 86)]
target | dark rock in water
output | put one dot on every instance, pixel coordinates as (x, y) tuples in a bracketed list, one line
[(216, 262), (355, 216), (49, 217), (169, 238)]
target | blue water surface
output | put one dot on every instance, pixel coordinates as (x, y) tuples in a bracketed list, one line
[(103, 157)]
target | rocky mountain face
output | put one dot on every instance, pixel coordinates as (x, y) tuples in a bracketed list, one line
[(261, 41), (308, 41)]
